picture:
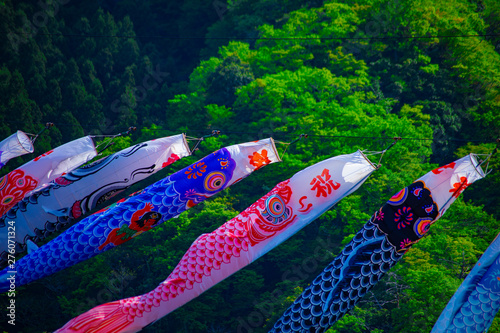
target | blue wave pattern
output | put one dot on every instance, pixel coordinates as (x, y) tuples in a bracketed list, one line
[(154, 205), (374, 250), (478, 312), (479, 300)]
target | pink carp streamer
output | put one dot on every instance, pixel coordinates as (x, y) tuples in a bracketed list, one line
[(15, 145), (290, 206), (39, 172)]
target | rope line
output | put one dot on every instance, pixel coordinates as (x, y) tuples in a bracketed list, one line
[(214, 133), (345, 136), (303, 135), (286, 134), (111, 142), (254, 38), (396, 139)]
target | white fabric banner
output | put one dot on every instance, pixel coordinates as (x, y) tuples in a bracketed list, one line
[(39, 172), (454, 178), (78, 192), (15, 145)]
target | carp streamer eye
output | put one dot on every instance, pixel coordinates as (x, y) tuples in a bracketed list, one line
[(275, 206), (214, 181)]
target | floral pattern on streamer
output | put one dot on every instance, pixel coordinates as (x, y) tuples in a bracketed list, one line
[(196, 170), (405, 243), (407, 216), (459, 187), (258, 160), (379, 215), (170, 160), (404, 217), (14, 187), (437, 171)]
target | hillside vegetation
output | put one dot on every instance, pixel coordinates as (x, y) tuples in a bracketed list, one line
[(347, 78)]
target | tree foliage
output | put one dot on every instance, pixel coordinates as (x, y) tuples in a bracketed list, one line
[(346, 78)]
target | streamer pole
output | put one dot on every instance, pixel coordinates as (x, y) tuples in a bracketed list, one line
[(47, 126)]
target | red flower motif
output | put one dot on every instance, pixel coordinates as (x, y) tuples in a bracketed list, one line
[(459, 187), (406, 242), (14, 187), (403, 217), (380, 215), (196, 170), (259, 160), (170, 160)]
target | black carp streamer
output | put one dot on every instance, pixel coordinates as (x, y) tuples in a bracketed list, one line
[(375, 249)]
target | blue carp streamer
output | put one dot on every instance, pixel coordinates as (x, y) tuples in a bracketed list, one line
[(477, 300), (157, 203)]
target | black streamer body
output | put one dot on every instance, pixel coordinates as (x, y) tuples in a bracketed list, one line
[(373, 251)]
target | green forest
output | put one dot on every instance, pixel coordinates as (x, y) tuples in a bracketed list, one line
[(352, 74)]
